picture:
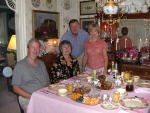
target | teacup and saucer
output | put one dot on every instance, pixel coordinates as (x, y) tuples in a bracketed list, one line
[(62, 92), (122, 91)]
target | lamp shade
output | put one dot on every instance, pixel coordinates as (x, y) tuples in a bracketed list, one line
[(12, 43)]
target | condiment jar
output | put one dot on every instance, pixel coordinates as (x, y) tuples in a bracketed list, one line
[(130, 86)]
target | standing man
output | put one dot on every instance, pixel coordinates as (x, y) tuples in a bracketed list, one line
[(29, 74), (77, 37)]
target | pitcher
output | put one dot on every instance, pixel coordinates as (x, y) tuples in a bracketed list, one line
[(133, 8), (144, 8)]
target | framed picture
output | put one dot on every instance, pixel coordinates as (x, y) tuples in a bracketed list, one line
[(45, 21), (87, 7), (85, 22)]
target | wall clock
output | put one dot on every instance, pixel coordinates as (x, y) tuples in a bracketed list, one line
[(67, 4), (36, 3)]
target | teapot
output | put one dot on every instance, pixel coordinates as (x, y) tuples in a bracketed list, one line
[(144, 8), (133, 8)]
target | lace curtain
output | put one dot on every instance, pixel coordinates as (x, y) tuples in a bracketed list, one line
[(3, 29), (137, 30)]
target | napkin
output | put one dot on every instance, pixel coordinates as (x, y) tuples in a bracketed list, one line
[(142, 90), (129, 111), (122, 111)]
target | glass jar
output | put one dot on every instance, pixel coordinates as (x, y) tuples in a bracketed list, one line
[(129, 86)]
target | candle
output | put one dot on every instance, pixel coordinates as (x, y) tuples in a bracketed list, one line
[(116, 43), (139, 45), (94, 75), (125, 43)]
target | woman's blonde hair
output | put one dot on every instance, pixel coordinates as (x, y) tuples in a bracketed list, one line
[(94, 26)]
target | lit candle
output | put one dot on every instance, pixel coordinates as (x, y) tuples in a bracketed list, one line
[(116, 43), (125, 43), (140, 45), (94, 75)]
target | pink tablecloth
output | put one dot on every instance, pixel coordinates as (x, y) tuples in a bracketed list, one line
[(50, 103)]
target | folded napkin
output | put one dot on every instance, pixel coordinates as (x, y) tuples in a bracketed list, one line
[(129, 111), (142, 90), (123, 111)]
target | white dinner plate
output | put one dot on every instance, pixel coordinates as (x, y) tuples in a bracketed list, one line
[(145, 84), (82, 75), (134, 102)]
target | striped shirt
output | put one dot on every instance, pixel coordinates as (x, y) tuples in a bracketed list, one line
[(77, 43)]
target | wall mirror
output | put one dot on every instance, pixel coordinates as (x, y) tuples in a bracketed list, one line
[(138, 29)]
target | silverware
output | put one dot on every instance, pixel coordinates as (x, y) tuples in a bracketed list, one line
[(47, 92)]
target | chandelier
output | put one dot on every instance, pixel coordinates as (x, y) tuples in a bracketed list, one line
[(111, 8)]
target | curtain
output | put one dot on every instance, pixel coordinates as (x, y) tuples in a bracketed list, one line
[(3, 29)]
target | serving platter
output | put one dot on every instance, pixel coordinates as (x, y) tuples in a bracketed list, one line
[(134, 102), (84, 99)]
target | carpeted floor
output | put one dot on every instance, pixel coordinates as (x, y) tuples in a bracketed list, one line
[(8, 100)]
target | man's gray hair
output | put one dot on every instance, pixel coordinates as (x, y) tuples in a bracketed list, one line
[(33, 40)]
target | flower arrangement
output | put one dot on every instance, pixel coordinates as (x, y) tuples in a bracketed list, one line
[(43, 43), (132, 52), (44, 37)]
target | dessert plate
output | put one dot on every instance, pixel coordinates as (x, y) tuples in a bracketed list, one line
[(145, 84), (134, 102), (109, 105)]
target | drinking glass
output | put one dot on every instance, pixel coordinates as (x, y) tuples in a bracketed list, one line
[(70, 87), (116, 96), (126, 76)]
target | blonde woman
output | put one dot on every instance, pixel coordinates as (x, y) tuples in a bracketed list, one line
[(95, 52)]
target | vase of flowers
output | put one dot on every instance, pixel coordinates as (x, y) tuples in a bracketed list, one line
[(43, 41)]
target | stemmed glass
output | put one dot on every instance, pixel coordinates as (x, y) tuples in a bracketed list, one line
[(131, 56)]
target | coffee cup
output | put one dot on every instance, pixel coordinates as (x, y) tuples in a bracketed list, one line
[(136, 78), (121, 91), (62, 91)]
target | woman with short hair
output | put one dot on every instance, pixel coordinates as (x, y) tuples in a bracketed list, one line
[(65, 65), (121, 43), (95, 52)]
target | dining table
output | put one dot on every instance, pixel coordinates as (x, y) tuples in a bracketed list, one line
[(46, 100)]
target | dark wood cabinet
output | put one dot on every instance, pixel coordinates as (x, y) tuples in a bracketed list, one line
[(140, 70), (48, 61)]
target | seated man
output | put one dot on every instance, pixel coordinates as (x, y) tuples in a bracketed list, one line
[(29, 74)]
